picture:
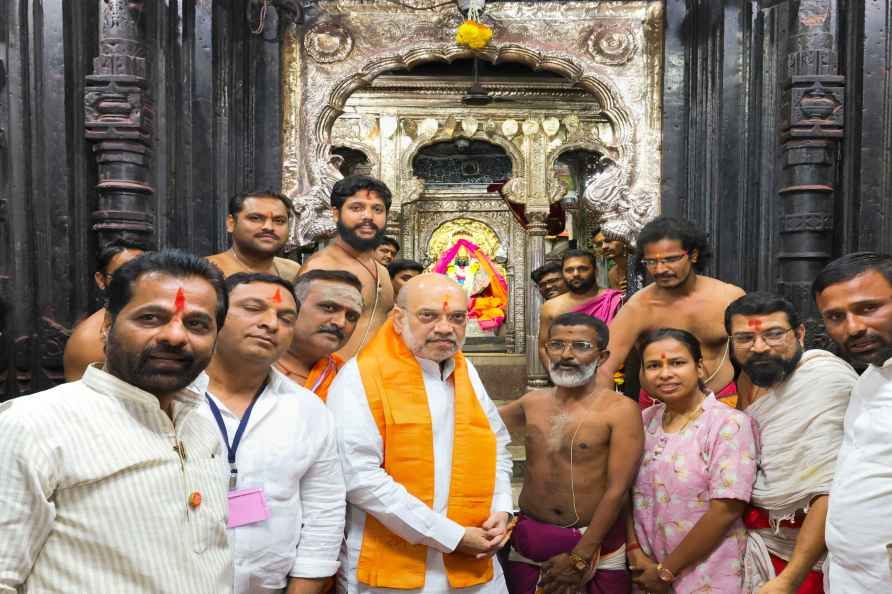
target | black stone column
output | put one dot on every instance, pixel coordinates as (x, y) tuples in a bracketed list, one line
[(814, 96), (118, 118)]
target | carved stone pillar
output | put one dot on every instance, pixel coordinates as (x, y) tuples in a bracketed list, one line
[(118, 118), (536, 229), (814, 98)]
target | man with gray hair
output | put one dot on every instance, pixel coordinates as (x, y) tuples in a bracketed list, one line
[(583, 444), (430, 514), (329, 306)]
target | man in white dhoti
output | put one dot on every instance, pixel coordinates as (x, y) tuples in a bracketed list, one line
[(797, 400), (854, 296), (116, 483), (424, 454)]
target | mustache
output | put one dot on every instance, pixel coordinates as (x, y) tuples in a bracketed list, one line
[(163, 349), (438, 338), (564, 364), (863, 337), (331, 329)]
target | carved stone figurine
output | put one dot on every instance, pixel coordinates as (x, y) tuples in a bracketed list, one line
[(313, 221), (609, 197)]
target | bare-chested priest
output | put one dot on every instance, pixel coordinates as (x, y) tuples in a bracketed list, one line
[(673, 251), (258, 226), (583, 444), (359, 205), (584, 295), (86, 344)]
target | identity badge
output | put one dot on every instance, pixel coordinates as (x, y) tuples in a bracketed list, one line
[(247, 506)]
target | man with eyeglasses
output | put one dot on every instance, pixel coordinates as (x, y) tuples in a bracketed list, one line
[(673, 252), (424, 452), (854, 295), (798, 401), (583, 444)]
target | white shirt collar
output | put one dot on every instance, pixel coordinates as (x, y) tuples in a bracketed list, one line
[(106, 383), (273, 388), (432, 368)]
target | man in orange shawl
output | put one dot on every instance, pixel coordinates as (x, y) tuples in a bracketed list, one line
[(424, 454), (330, 303)]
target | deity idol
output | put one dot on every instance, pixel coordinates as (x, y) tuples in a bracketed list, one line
[(487, 289)]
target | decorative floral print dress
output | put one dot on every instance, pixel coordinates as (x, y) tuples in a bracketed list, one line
[(713, 457)]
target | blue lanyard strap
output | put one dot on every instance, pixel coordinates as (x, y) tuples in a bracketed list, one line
[(242, 425)]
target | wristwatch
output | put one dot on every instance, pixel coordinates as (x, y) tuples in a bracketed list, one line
[(579, 562), (664, 574)]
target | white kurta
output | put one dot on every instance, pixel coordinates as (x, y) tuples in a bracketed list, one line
[(289, 449), (94, 497), (859, 518), (371, 490)]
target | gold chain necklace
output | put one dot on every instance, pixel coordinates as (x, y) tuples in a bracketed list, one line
[(690, 416)]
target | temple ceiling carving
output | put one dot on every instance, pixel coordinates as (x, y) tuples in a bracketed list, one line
[(341, 90)]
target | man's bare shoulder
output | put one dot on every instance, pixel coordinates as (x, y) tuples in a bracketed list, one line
[(84, 346), (618, 406), (535, 396), (217, 259), (717, 287), (555, 305), (288, 269), (325, 259)]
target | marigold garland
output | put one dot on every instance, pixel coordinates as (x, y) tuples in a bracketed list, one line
[(473, 34)]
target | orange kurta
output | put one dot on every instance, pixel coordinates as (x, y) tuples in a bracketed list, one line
[(394, 385)]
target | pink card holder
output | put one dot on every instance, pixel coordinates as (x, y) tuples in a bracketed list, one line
[(247, 506)]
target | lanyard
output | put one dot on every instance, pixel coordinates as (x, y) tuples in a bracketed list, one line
[(242, 425)]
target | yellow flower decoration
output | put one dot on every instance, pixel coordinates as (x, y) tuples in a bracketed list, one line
[(618, 378), (473, 34)]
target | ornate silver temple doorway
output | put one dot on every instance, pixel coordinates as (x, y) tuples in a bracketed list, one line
[(376, 86)]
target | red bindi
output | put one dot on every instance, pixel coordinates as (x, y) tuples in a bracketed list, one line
[(179, 302), (277, 298), (755, 324), (445, 305)]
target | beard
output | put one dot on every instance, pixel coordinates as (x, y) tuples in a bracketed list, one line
[(583, 285), (565, 378), (766, 370), (877, 356), (358, 243), (142, 372)]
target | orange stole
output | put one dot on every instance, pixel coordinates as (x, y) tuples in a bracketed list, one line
[(323, 366), (394, 386)]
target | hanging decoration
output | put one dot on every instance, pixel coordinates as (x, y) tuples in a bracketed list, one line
[(472, 32)]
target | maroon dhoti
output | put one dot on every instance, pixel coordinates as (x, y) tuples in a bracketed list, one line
[(538, 542)]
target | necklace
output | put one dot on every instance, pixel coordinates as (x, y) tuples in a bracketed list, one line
[(374, 274), (291, 373), (247, 266), (688, 417), (371, 320)]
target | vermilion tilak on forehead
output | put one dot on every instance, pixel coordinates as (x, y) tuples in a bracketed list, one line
[(277, 298), (445, 305), (179, 302), (755, 324), (269, 215)]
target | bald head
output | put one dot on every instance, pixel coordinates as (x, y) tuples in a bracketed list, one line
[(432, 287), (431, 315)]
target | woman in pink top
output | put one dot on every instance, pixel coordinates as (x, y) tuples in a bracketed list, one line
[(696, 477)]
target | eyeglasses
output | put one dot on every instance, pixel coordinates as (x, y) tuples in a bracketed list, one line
[(579, 347), (652, 262), (455, 318), (772, 337)]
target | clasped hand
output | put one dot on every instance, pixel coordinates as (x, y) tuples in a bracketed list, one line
[(645, 574), (485, 541)]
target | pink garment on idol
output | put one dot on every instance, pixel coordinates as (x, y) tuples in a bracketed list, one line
[(714, 457), (604, 306)]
